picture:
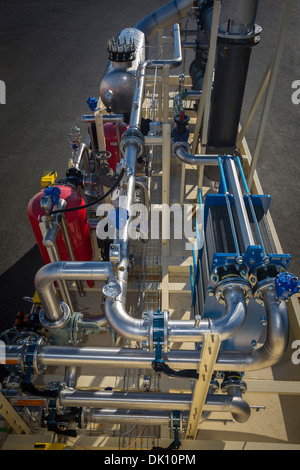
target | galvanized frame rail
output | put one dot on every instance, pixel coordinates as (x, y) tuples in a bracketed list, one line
[(12, 417), (209, 354)]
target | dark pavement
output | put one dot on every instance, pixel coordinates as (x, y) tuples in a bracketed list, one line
[(52, 56)]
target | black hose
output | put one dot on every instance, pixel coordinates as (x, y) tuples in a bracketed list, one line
[(165, 369), (30, 388), (96, 201)]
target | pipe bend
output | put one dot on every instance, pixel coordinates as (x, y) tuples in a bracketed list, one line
[(235, 313), (277, 333), (240, 409), (124, 324), (66, 271), (164, 17), (181, 151), (277, 337), (237, 406), (226, 326), (46, 275)]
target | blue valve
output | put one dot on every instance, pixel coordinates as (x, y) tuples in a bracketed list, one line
[(286, 284), (93, 103), (54, 193)]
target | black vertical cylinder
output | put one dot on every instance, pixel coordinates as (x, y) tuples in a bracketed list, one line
[(228, 91)]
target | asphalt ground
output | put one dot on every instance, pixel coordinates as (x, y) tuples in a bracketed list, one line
[(52, 58)]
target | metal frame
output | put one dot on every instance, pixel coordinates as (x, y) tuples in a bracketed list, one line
[(209, 354)]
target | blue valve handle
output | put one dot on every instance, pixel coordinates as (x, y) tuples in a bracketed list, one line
[(286, 285), (93, 103), (54, 193)]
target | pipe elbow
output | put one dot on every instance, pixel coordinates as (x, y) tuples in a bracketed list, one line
[(46, 275), (235, 313), (240, 410), (124, 324)]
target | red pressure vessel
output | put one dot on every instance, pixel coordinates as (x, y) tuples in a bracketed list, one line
[(77, 224), (111, 140)]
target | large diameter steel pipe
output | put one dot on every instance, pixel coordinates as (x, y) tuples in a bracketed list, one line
[(237, 406), (183, 331), (124, 324), (226, 326), (164, 17), (266, 356), (125, 400), (275, 344), (67, 271), (158, 401)]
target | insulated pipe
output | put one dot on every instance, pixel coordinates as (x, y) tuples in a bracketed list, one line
[(66, 271), (164, 17)]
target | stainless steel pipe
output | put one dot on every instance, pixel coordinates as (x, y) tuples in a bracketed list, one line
[(180, 150), (276, 339), (66, 271), (155, 418), (164, 17), (136, 112), (226, 326), (266, 356), (129, 406), (235, 405), (82, 160), (180, 330), (90, 118), (158, 401)]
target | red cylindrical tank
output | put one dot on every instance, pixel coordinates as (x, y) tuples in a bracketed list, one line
[(77, 224), (111, 140)]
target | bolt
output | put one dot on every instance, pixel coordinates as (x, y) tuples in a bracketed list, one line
[(263, 320), (210, 291), (254, 343)]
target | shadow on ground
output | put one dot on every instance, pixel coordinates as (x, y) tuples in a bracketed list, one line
[(16, 283)]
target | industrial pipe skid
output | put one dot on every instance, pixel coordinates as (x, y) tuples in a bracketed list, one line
[(97, 312)]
